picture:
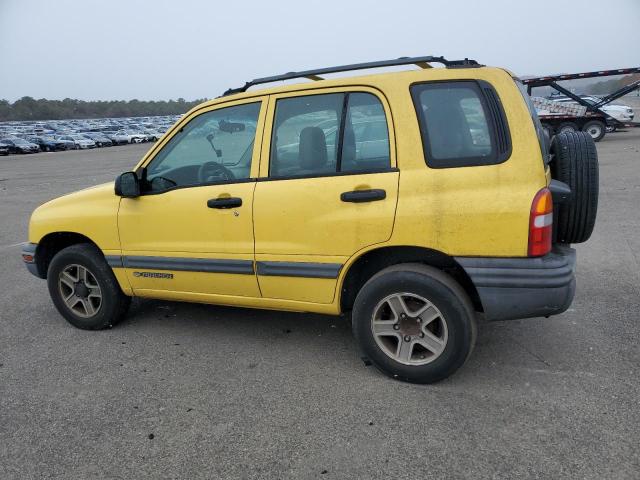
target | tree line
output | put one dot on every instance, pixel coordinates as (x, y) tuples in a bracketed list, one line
[(28, 108), (608, 86)]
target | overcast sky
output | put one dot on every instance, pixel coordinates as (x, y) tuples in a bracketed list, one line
[(157, 49)]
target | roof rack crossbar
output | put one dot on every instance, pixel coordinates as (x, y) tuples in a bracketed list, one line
[(314, 74)]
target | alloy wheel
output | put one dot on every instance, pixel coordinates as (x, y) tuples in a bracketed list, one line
[(409, 329), (80, 291)]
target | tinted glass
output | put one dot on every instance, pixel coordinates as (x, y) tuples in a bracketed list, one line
[(454, 123), (308, 132), (305, 135), (543, 139), (214, 147), (366, 138)]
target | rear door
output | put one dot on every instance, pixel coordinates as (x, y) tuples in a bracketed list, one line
[(328, 188)]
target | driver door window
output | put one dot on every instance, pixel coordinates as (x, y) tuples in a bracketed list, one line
[(215, 147)]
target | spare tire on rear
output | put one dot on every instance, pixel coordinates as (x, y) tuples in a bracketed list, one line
[(575, 162)]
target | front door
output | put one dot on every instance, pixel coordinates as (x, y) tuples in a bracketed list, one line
[(328, 190), (191, 230)]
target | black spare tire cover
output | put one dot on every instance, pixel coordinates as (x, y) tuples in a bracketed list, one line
[(575, 162)]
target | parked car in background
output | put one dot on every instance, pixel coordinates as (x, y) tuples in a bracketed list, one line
[(116, 137), (48, 144), (4, 148), (622, 113), (20, 145), (134, 137), (79, 140), (152, 134), (100, 139), (60, 134), (68, 144)]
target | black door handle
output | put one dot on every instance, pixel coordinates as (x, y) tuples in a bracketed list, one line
[(360, 196), (228, 202)]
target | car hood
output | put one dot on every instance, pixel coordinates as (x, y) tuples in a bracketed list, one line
[(617, 108)]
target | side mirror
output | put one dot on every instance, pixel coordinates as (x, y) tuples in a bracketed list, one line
[(127, 185)]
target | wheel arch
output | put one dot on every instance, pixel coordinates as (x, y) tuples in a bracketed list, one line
[(372, 261), (52, 243)]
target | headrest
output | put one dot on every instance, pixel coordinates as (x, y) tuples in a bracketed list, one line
[(313, 149)]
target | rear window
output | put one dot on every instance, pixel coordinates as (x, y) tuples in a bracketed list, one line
[(461, 124)]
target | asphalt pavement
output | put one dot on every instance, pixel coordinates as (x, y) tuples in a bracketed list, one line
[(193, 391)]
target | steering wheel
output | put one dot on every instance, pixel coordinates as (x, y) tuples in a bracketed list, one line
[(214, 172)]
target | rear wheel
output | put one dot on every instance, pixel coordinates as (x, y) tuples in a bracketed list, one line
[(596, 129), (84, 289), (414, 323), (575, 162)]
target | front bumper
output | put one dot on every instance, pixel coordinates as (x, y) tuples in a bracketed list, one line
[(511, 288), (29, 258)]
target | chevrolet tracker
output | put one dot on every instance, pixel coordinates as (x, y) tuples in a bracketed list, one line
[(413, 201)]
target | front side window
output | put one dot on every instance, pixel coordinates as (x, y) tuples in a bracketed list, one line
[(455, 123), (214, 147), (330, 133)]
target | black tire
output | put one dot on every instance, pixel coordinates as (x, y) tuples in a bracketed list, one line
[(439, 289), (611, 128), (114, 304), (596, 129), (575, 162), (567, 127)]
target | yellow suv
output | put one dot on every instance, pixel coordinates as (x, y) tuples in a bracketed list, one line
[(414, 200)]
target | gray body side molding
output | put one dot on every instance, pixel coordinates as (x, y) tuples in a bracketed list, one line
[(280, 269), (299, 269), (206, 265)]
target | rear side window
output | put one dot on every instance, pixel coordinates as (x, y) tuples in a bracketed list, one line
[(462, 124), (329, 134), (543, 139)]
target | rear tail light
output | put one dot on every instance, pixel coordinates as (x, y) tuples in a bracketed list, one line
[(541, 224)]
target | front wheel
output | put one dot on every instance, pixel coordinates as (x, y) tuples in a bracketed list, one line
[(414, 323), (84, 289)]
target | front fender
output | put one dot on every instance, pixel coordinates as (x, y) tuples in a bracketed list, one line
[(92, 212)]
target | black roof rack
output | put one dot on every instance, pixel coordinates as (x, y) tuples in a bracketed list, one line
[(422, 62)]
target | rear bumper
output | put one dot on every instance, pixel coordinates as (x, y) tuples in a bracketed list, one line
[(511, 288)]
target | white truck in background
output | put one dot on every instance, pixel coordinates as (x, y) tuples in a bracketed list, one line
[(588, 113)]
